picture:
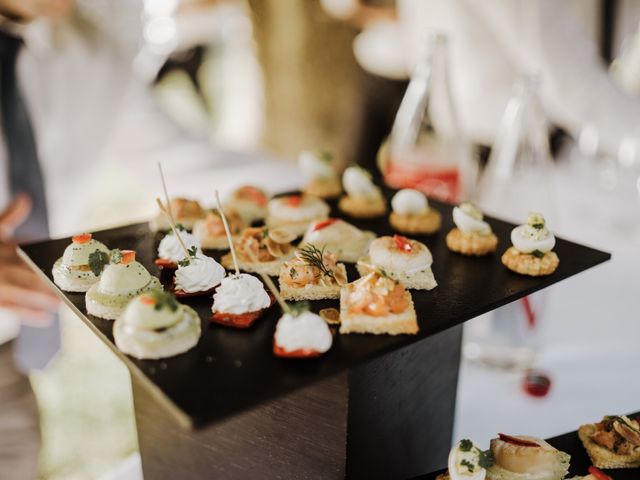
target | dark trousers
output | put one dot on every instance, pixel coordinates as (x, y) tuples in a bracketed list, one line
[(19, 422)]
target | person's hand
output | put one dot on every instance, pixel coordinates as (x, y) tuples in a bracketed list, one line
[(21, 289)]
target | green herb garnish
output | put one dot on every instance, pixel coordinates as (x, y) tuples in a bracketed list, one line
[(324, 155), (180, 227), (97, 261), (298, 308), (466, 445), (163, 300), (265, 232), (468, 464), (314, 257), (485, 459), (537, 254), (187, 260), (293, 273), (538, 226), (116, 255)]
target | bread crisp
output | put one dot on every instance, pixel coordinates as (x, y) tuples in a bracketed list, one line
[(422, 280), (394, 324), (417, 224), (323, 187), (310, 291), (602, 457), (363, 207), (271, 268), (471, 243), (528, 264)]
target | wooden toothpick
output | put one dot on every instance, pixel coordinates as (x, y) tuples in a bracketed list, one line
[(227, 231), (166, 193), (271, 286), (172, 224)]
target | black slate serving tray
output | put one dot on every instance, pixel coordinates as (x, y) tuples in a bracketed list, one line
[(232, 370), (580, 462)]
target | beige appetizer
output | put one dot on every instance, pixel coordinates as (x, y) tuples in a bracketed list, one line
[(412, 213), (313, 274)]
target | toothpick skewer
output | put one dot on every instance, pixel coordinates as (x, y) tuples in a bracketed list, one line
[(166, 193), (228, 232), (271, 286), (172, 224)]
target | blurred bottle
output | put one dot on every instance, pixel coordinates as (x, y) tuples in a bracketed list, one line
[(427, 149), (518, 179)]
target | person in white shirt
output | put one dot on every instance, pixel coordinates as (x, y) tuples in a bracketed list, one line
[(69, 102)]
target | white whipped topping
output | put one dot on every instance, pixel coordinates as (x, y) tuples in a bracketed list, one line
[(78, 254), (306, 331), (468, 223), (140, 315), (170, 248), (457, 471), (338, 232), (409, 202), (309, 208), (201, 274), (315, 166), (357, 183), (527, 239), (123, 278), (382, 253), (241, 294)]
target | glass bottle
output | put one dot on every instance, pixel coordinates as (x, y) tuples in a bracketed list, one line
[(427, 149), (518, 179)]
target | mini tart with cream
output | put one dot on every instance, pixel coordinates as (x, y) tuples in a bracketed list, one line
[(349, 243), (613, 442), (531, 253), (250, 202), (170, 251), (72, 272), (301, 335), (467, 462), (472, 235), (199, 275), (363, 199), (377, 304), (262, 250), (324, 182), (185, 212), (412, 214), (211, 233), (155, 326), (296, 212), (402, 259), (239, 301), (120, 281), (313, 274), (526, 458)]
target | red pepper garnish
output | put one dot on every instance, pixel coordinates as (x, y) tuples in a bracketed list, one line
[(82, 238), (278, 351), (147, 299), (254, 194), (599, 474), (128, 256), (536, 383), (324, 223), (295, 200), (517, 441), (402, 243)]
